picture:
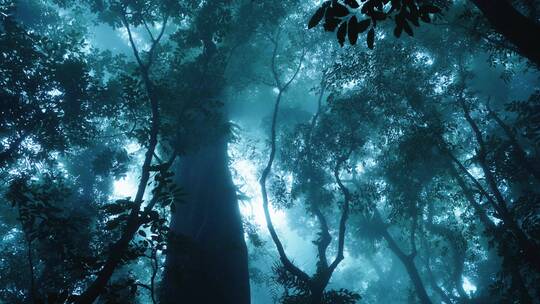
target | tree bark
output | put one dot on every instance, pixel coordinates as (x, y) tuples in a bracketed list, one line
[(207, 258)]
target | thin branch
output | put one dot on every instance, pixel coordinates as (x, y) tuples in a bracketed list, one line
[(148, 30), (413, 235), (158, 158), (157, 40), (143, 286), (481, 155), (489, 225), (345, 212), (296, 71), (273, 63), (522, 156), (132, 42), (475, 181), (282, 254)]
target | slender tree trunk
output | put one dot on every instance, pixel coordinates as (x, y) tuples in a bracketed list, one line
[(207, 256)]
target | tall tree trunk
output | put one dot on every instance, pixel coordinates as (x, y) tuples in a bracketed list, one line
[(207, 256)]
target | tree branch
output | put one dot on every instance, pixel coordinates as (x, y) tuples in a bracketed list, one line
[(132, 42), (148, 30), (282, 254), (522, 156), (345, 212)]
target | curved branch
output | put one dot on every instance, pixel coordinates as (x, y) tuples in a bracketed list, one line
[(275, 73), (273, 65), (156, 41), (148, 30), (345, 213), (275, 238), (132, 42)]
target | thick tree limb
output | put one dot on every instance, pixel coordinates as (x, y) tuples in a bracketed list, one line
[(518, 29)]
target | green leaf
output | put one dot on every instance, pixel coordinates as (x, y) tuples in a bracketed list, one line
[(317, 17), (363, 25), (353, 30), (342, 31), (370, 38), (339, 10), (407, 28), (380, 16)]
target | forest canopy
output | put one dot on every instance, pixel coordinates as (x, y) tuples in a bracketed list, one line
[(295, 152)]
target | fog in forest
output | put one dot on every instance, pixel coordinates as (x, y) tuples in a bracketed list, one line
[(260, 152)]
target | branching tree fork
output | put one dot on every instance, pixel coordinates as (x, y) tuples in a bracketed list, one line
[(317, 282)]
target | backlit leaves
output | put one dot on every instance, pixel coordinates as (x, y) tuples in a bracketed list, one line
[(343, 16)]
